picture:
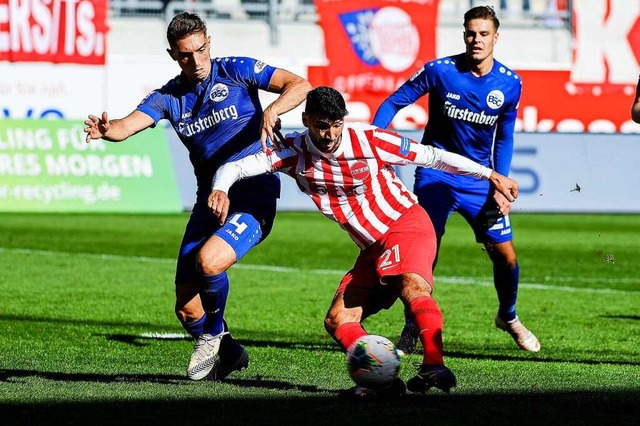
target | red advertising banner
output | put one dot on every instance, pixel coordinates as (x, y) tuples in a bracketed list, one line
[(59, 31), (373, 47), (596, 93)]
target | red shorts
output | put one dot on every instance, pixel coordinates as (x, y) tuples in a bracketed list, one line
[(408, 246)]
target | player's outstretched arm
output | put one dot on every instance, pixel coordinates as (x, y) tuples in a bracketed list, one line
[(293, 91), (504, 185), (116, 130)]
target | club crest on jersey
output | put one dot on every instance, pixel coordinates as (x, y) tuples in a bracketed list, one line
[(495, 99), (259, 66), (359, 170), (219, 92)]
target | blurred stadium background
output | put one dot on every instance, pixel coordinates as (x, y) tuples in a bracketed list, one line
[(62, 60)]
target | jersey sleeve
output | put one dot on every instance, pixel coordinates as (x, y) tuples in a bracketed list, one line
[(250, 71), (439, 159), (253, 165), (395, 149), (230, 173), (503, 144), (407, 94), (155, 105)]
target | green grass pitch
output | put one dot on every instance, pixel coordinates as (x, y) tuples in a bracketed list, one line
[(88, 335)]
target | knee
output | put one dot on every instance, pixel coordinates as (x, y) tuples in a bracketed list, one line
[(335, 318), (506, 262), (411, 286), (209, 264)]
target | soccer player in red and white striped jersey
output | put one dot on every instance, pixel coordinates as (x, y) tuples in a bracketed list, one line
[(347, 171)]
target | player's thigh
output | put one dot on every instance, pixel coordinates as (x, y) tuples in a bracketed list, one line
[(362, 290), (408, 247), (258, 197), (479, 208), (245, 227), (437, 197), (358, 292)]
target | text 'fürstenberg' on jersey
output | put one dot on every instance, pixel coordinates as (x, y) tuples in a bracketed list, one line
[(203, 123), (467, 115)]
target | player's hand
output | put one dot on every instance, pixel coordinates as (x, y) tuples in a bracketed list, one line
[(218, 203), (97, 127), (504, 185), (270, 128), (502, 204)]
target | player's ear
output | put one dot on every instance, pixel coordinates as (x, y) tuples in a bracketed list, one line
[(305, 120)]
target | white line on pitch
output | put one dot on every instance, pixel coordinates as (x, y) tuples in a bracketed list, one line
[(269, 268)]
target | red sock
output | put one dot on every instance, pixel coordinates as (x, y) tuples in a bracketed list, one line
[(428, 319), (348, 333)]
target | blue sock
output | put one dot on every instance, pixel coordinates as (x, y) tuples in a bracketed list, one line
[(214, 300), (505, 281), (194, 328)]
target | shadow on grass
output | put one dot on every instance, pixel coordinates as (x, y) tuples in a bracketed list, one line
[(570, 408), (165, 379), (139, 340), (622, 317), (142, 340)]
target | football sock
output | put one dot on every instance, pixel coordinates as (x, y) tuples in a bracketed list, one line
[(505, 281), (408, 316), (194, 328), (346, 334), (214, 300), (428, 320)]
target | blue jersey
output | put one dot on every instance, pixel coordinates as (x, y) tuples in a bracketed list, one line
[(464, 110), (219, 119)]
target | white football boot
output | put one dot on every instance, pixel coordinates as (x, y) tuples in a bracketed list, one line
[(521, 334), (205, 356)]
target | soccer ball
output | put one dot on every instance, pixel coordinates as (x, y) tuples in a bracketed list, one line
[(373, 362)]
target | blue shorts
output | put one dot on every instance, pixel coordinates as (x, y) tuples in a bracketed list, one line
[(440, 194), (251, 214)]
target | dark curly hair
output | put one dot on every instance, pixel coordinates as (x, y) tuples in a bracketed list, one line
[(326, 102), (481, 12), (184, 24)]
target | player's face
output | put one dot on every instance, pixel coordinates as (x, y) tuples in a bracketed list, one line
[(325, 134), (480, 36), (192, 54)]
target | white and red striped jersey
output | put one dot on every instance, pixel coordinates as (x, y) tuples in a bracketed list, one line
[(355, 186)]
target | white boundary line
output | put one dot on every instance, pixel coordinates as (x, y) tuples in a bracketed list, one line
[(438, 279)]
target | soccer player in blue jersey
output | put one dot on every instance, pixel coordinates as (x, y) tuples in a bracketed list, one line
[(473, 101), (635, 107), (214, 108)]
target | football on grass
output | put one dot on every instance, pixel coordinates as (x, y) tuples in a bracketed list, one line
[(373, 362)]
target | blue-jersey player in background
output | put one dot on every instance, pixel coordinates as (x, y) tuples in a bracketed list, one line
[(635, 106), (472, 98), (214, 108)]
